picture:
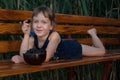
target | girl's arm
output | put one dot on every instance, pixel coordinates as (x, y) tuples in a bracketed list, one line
[(54, 40), (27, 42)]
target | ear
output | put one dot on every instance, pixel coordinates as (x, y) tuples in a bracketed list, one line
[(51, 28)]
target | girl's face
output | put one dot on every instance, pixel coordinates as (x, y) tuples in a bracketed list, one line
[(41, 25)]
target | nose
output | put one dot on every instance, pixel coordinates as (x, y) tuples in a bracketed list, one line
[(39, 25)]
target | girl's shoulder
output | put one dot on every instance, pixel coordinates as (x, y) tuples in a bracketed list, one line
[(55, 35)]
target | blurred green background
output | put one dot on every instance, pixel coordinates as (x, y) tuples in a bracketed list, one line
[(102, 8), (99, 8)]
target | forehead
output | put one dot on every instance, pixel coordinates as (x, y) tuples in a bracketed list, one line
[(41, 16)]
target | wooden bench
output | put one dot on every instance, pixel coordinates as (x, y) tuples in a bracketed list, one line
[(70, 27)]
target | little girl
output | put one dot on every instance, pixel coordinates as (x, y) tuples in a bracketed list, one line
[(43, 36)]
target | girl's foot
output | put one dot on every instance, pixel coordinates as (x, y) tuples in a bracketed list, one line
[(92, 31)]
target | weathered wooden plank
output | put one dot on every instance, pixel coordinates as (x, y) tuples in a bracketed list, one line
[(61, 18), (75, 19), (14, 46), (105, 41), (8, 28), (9, 46), (68, 29), (15, 29), (7, 68), (15, 15)]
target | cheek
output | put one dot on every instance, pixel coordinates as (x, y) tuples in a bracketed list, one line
[(34, 26), (45, 27)]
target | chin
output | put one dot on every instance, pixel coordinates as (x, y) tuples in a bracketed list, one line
[(39, 35)]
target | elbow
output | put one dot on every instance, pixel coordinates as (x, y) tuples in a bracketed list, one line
[(103, 52)]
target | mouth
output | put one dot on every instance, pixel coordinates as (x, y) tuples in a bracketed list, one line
[(39, 31)]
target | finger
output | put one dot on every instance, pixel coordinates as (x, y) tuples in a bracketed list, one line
[(25, 26), (25, 21), (28, 21), (28, 29)]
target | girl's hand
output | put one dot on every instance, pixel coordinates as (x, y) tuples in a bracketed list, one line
[(26, 27), (27, 32), (17, 59)]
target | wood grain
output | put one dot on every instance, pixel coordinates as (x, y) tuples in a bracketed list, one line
[(9, 46), (14, 46), (7, 68), (75, 19), (15, 29), (14, 15), (60, 18), (10, 29)]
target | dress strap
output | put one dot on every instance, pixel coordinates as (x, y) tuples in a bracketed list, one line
[(36, 41), (45, 43)]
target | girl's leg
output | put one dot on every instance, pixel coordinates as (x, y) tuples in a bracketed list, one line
[(17, 59), (98, 48)]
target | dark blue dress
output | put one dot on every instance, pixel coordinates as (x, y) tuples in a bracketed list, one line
[(68, 49)]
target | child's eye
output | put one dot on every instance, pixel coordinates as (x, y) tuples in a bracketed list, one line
[(44, 22), (35, 21)]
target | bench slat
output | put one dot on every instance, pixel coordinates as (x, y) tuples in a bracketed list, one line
[(8, 28), (105, 41), (61, 18), (9, 46), (74, 19), (7, 68), (17, 15), (67, 29), (5, 46), (15, 29)]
